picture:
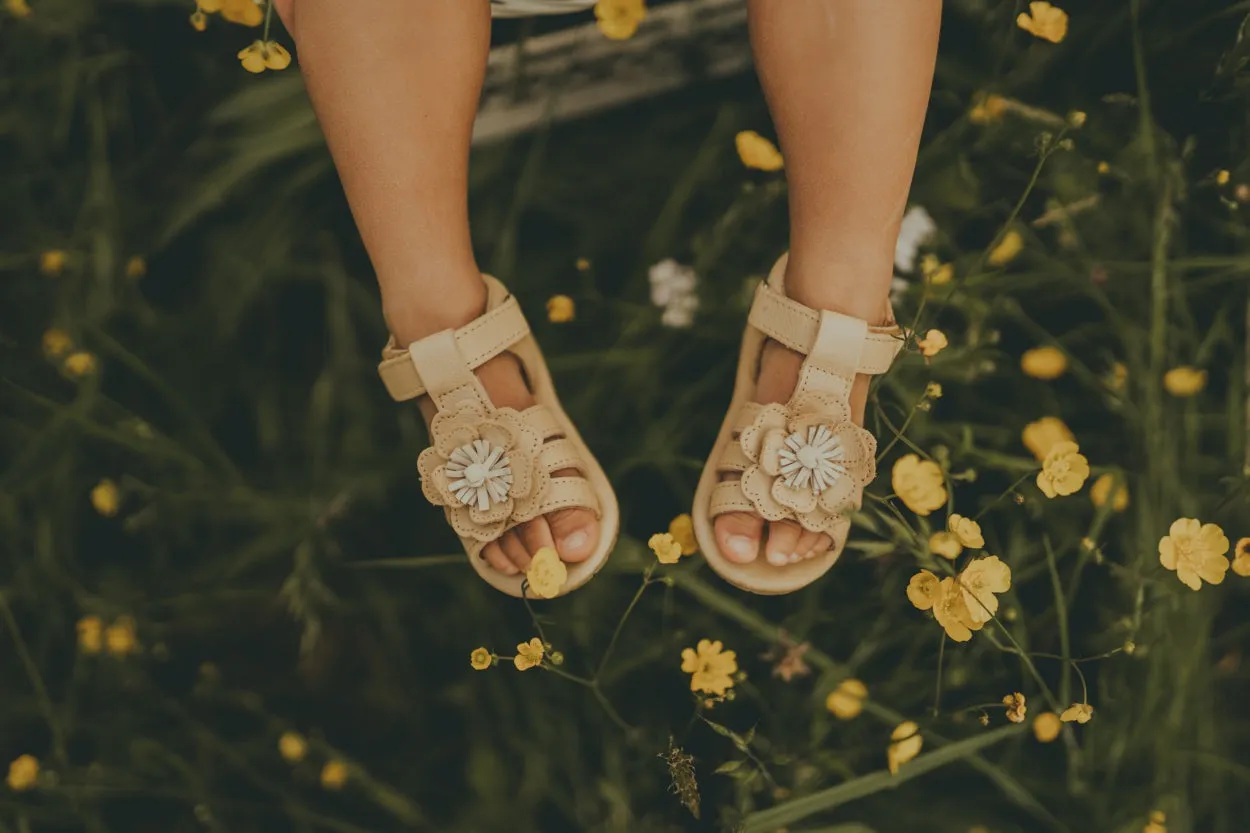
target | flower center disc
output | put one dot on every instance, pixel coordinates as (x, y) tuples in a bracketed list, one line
[(475, 474), (809, 457)]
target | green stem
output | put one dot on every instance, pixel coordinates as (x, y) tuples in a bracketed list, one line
[(1061, 613), (36, 681), (937, 694), (620, 625)]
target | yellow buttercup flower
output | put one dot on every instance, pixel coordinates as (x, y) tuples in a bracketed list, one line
[(1041, 436), (987, 108), (52, 262), (560, 308), (245, 12), (106, 498), (711, 669), (1222, 176), (619, 19), (682, 530), (136, 268), (583, 264), (1104, 168), (1077, 118), (546, 573), (1077, 713), (757, 152), (1156, 823), (56, 343), (1100, 493), (119, 637), (918, 483), (17, 8), (23, 773), (847, 700), (1007, 249), (979, 581), (935, 272), (905, 744), (1063, 471), (966, 530), (945, 544), (1241, 557), (1046, 726), (1044, 363), (528, 654), (665, 547), (1016, 707), (1195, 551), (292, 747), (90, 634), (481, 659), (79, 363), (947, 602), (934, 342), (334, 775), (198, 21), (1184, 381), (263, 55), (933, 390), (1044, 21)]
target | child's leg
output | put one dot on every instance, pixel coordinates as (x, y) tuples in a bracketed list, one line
[(395, 85), (847, 82)]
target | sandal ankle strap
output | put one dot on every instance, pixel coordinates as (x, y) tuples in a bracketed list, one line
[(477, 342), (868, 349)]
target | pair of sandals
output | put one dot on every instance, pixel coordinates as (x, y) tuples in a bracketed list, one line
[(493, 468)]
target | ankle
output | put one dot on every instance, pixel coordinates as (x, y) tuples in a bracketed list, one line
[(859, 287), (427, 304)]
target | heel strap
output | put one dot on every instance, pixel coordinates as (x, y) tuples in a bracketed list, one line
[(867, 349), (477, 342)]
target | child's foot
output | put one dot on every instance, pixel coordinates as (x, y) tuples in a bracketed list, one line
[(573, 533), (785, 542)]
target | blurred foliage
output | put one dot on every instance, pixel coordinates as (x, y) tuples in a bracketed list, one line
[(283, 573)]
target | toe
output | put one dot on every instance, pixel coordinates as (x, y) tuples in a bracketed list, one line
[(535, 535), (738, 536), (783, 539), (576, 533), (515, 550), (494, 556), (807, 543), (822, 545)]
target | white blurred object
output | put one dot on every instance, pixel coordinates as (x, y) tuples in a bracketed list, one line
[(673, 289), (915, 231)]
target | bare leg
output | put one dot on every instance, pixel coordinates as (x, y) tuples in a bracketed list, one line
[(396, 86), (848, 83)]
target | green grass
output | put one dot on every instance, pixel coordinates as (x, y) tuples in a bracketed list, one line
[(285, 573)]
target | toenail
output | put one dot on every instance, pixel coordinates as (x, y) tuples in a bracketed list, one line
[(741, 545), (795, 558), (777, 559), (575, 541)]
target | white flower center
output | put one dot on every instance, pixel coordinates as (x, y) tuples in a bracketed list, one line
[(479, 474), (813, 461)]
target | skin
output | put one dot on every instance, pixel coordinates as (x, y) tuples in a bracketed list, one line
[(396, 89)]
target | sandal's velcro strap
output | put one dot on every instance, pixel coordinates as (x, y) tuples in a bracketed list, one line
[(478, 342), (543, 420), (569, 493), (727, 496), (747, 412), (796, 326), (560, 454), (733, 458)]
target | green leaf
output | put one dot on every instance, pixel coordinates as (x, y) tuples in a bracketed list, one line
[(727, 767), (788, 813)]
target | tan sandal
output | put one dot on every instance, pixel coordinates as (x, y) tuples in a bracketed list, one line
[(805, 460), (492, 468)]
